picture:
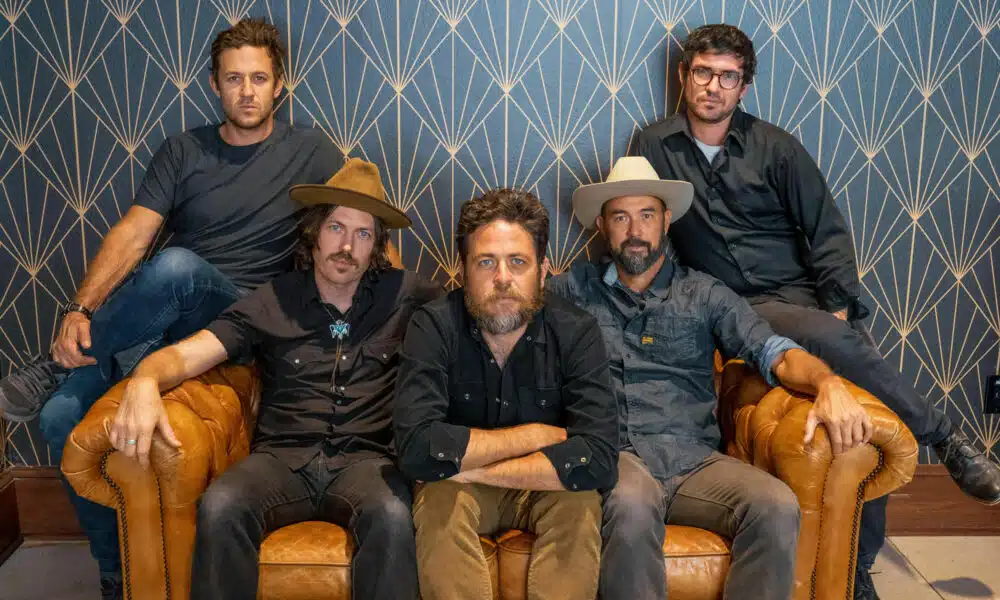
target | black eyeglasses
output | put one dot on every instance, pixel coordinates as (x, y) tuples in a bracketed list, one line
[(727, 79)]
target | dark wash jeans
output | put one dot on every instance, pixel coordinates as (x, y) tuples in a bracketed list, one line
[(851, 352), (173, 295), (368, 497)]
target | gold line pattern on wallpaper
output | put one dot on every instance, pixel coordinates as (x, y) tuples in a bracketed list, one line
[(896, 99)]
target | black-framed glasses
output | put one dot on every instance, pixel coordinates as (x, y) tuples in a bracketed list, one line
[(727, 79)]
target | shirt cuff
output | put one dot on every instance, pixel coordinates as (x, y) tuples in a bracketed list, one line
[(446, 449), (230, 337), (833, 297), (774, 348), (572, 461)]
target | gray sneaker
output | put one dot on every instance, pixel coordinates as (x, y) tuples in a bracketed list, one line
[(25, 390)]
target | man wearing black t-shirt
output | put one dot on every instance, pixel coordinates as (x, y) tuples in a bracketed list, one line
[(222, 191)]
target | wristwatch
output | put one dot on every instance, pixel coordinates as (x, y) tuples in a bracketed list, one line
[(75, 307)]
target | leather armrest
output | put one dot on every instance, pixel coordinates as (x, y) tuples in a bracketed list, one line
[(767, 428), (776, 428), (212, 417)]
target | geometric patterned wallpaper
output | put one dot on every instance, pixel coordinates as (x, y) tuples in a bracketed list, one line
[(896, 99)]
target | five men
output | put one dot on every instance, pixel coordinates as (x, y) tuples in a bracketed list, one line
[(222, 190), (764, 223), (514, 404), (505, 412)]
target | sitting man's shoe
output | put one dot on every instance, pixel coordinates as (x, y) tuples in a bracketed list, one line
[(975, 474), (25, 390), (864, 587), (111, 589)]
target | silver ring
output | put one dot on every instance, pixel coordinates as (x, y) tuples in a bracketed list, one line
[(131, 442)]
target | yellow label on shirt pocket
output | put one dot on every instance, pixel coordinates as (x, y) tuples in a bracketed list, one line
[(647, 340)]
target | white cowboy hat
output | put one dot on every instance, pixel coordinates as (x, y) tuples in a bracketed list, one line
[(631, 176)]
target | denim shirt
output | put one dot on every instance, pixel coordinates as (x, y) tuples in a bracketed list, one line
[(661, 346)]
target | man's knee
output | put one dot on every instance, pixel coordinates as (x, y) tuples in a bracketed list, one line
[(387, 514), (569, 511), (173, 264), (634, 507), (222, 506), (810, 327), (773, 512), (443, 505)]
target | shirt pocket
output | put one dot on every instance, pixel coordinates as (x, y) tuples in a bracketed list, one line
[(759, 204), (305, 363), (539, 405), (674, 341), (379, 356), (467, 405)]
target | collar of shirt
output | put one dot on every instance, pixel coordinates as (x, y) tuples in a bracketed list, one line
[(658, 287), (737, 127), (360, 304)]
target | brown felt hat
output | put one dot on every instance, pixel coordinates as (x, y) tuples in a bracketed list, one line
[(356, 185)]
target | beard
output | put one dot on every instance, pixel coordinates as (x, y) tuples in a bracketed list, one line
[(495, 322), (240, 121), (635, 263), (717, 115)]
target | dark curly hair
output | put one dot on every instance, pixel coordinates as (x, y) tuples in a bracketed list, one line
[(721, 39), (256, 33), (309, 227), (504, 204)]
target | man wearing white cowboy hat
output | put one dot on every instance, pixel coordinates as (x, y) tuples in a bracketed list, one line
[(661, 323), (326, 341)]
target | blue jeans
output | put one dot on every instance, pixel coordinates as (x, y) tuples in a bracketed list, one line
[(173, 295)]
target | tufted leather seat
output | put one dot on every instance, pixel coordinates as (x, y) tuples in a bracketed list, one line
[(213, 416)]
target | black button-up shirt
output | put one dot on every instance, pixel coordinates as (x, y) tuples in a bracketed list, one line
[(661, 346), (763, 220), (556, 374), (320, 392)]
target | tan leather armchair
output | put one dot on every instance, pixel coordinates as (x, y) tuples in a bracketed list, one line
[(213, 416)]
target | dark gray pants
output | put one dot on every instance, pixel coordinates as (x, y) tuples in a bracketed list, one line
[(370, 498), (740, 502), (852, 354)]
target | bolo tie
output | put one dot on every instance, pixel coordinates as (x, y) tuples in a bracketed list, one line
[(339, 330)]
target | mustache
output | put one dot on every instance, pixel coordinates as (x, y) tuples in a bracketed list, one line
[(507, 293), (344, 256), (634, 242)]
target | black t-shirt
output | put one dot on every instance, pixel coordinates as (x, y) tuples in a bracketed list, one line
[(230, 204)]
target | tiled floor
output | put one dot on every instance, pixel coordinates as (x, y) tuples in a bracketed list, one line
[(909, 568), (919, 568)]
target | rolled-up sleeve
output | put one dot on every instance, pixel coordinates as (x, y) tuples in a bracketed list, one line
[(236, 328), (774, 349), (588, 459), (428, 448)]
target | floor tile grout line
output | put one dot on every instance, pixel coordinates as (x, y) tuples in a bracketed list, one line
[(914, 567)]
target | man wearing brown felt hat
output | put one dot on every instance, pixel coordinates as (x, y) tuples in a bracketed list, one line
[(325, 339)]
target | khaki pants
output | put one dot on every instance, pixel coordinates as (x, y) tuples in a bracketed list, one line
[(449, 518)]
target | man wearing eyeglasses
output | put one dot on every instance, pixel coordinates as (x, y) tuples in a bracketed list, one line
[(764, 222)]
